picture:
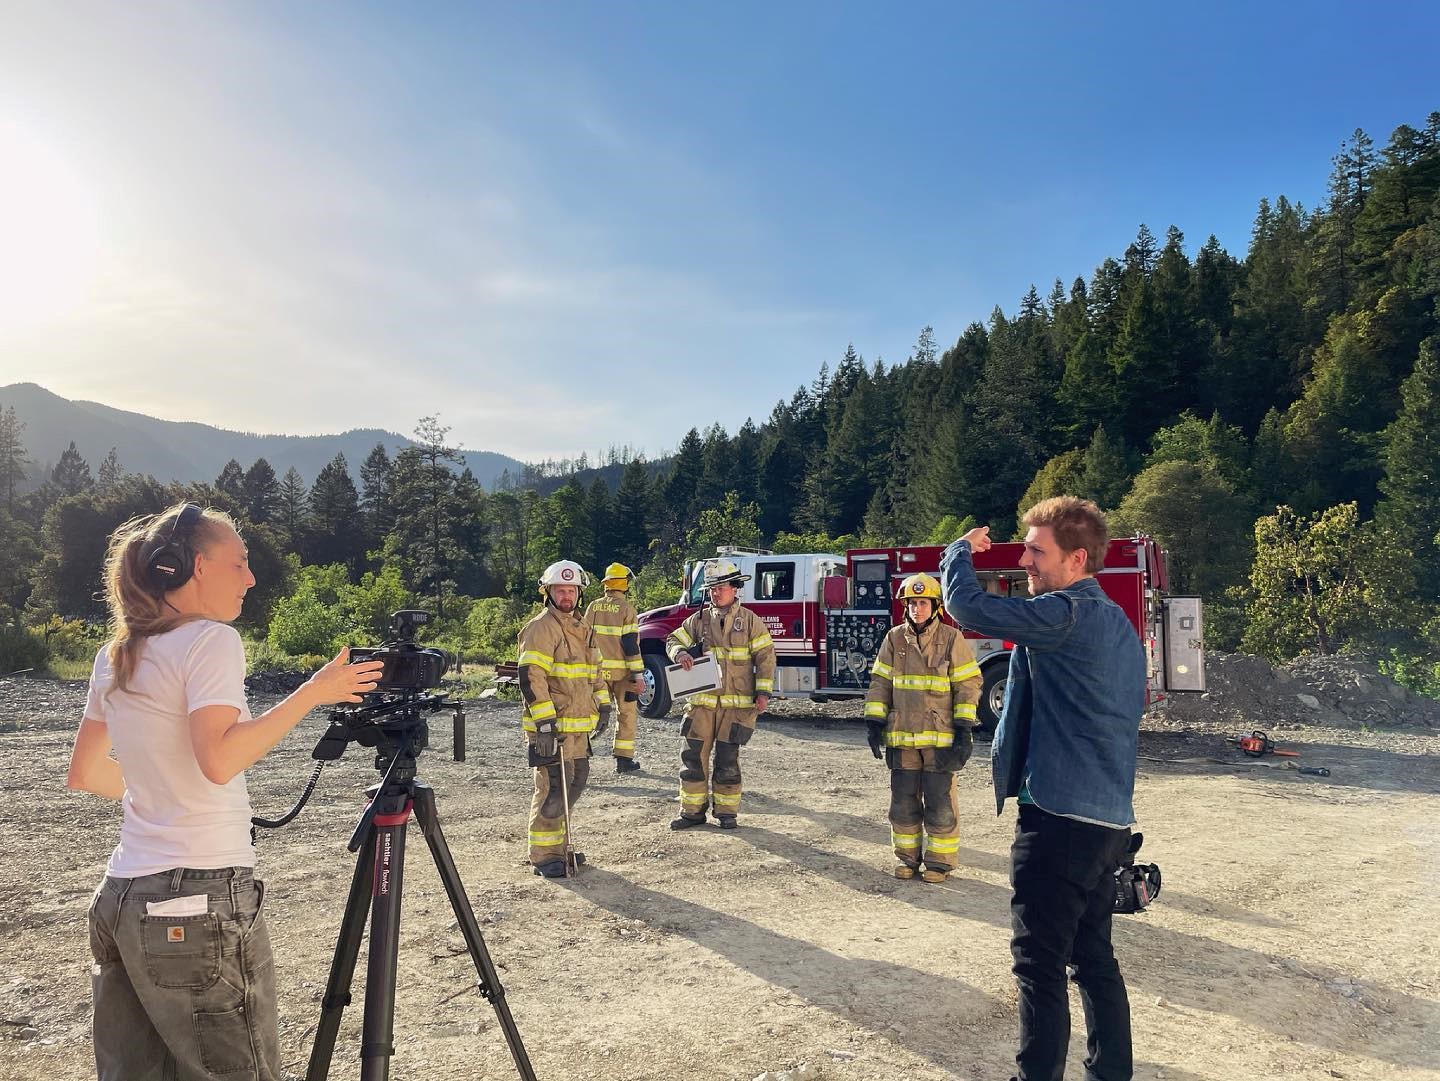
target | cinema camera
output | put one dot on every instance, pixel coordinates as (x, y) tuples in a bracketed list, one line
[(394, 712)]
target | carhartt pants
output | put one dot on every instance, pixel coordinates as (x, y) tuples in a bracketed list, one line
[(183, 997)]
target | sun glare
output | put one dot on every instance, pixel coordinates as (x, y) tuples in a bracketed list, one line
[(49, 235)]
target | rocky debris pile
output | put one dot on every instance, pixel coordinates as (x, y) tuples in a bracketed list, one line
[(1341, 691)]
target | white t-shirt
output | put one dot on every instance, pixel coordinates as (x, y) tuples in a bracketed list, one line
[(174, 817)]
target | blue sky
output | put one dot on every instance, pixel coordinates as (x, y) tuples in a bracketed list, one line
[(566, 226)]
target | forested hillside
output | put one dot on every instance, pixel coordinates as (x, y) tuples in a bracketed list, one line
[(1272, 418)]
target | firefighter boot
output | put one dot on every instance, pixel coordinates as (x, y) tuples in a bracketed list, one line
[(904, 872), (685, 822), (626, 765), (728, 822), (935, 874), (551, 869)]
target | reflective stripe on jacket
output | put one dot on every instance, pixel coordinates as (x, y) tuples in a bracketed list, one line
[(742, 649), (559, 674), (617, 633), (924, 686)]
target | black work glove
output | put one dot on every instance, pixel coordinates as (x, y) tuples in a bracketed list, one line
[(545, 746), (876, 738), (604, 720), (964, 744)]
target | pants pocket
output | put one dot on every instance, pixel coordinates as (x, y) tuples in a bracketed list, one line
[(225, 1041), (182, 952)]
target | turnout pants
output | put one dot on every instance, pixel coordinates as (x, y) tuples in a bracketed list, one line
[(622, 693), (183, 998), (717, 735), (549, 814), (1062, 874), (924, 811)]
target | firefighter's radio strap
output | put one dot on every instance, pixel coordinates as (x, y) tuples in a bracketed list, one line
[(704, 675)]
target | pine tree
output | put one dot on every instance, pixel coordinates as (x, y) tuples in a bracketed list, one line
[(261, 493), (231, 484), (632, 513), (334, 507), (71, 474), (110, 471), (1412, 470), (292, 509), (13, 458)]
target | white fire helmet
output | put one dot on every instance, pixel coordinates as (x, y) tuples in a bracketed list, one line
[(565, 572), (721, 572)]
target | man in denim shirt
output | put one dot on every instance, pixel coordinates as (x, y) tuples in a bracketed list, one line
[(1065, 747)]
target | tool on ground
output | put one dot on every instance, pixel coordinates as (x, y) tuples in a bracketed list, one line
[(1312, 771), (565, 795), (1257, 743)]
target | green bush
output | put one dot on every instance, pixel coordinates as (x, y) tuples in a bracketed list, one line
[(71, 639), (304, 623), (21, 648), (261, 656), (492, 627)]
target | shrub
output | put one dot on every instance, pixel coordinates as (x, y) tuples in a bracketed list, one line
[(492, 627), (21, 648)]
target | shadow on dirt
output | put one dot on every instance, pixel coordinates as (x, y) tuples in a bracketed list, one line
[(1143, 949), (915, 1009)]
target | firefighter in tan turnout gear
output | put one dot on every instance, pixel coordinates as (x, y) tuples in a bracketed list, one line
[(920, 711), (721, 721), (617, 633), (566, 701)]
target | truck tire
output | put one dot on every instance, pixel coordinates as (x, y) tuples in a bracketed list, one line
[(655, 699), (992, 695)]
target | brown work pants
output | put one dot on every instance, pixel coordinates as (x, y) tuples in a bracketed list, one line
[(924, 810), (622, 694), (549, 814), (710, 760)]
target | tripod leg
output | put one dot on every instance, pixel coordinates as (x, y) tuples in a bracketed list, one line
[(377, 1041), (342, 965), (490, 988)]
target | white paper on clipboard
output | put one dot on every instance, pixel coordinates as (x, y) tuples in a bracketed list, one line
[(704, 675)]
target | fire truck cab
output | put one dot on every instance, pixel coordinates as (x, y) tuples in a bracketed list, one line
[(828, 615)]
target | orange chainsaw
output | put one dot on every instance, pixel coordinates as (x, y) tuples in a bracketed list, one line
[(1258, 744)]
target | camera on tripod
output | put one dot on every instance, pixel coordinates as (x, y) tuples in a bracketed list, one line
[(408, 667)]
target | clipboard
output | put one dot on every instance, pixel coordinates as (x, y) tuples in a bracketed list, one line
[(704, 675)]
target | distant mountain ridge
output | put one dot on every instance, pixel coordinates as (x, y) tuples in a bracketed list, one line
[(188, 451)]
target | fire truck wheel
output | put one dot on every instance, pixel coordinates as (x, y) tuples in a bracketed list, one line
[(992, 696), (655, 699)]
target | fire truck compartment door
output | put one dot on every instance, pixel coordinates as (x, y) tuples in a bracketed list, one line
[(1184, 644)]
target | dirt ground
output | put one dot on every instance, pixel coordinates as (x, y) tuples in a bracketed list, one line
[(1296, 936)]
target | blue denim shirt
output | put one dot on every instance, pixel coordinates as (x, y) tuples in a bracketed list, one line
[(1070, 728)]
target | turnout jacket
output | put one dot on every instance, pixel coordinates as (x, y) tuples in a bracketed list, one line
[(617, 633), (743, 651), (923, 686), (560, 674)]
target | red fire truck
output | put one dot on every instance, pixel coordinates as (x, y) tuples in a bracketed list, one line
[(828, 614)]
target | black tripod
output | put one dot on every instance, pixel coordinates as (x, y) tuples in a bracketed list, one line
[(379, 839)]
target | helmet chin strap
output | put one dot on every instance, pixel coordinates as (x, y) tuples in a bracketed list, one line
[(920, 628)]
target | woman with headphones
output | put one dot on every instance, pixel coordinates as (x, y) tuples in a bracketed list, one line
[(183, 978)]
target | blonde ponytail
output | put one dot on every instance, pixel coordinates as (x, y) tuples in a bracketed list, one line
[(137, 610)]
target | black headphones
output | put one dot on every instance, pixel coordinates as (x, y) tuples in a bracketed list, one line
[(170, 563)]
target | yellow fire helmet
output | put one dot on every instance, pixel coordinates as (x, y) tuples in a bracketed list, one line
[(617, 576), (920, 585)]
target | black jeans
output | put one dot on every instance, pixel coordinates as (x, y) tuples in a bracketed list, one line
[(1061, 871)]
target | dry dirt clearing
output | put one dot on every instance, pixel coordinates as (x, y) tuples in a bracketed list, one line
[(1298, 934)]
